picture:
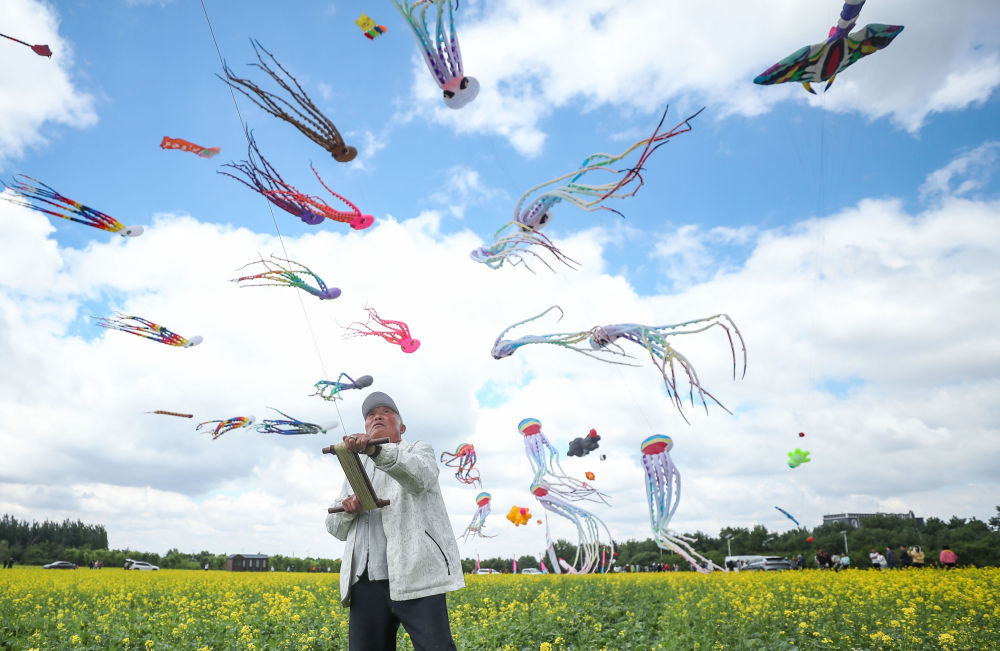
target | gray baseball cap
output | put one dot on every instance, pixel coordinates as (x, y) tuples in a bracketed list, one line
[(377, 399)]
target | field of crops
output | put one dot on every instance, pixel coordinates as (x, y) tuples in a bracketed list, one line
[(183, 609)]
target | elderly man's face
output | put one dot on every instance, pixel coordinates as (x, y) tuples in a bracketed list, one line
[(383, 421)]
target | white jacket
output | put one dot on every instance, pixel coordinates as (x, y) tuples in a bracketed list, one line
[(420, 546)]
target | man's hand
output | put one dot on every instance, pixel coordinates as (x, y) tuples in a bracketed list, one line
[(352, 504), (360, 443)]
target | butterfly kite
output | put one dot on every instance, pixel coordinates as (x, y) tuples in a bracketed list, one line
[(228, 425), (260, 176), (463, 459), (184, 145), (395, 332), (441, 52), (663, 493), (287, 273), (475, 527), (654, 339), (40, 50), (514, 239), (145, 328), (32, 193), (330, 391), (289, 426), (823, 61), (303, 114)]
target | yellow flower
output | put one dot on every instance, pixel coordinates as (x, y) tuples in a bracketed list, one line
[(545, 646)]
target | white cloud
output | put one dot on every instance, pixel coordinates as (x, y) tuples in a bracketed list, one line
[(971, 171), (532, 58), (38, 92), (868, 330), (465, 186)]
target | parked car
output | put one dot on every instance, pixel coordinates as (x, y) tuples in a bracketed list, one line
[(60, 565), (139, 565), (486, 570), (531, 570), (769, 563)]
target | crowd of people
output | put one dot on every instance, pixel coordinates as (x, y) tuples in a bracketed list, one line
[(912, 556)]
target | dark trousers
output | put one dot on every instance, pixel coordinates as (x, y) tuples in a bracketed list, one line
[(375, 619)]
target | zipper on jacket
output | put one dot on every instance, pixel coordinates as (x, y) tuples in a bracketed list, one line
[(446, 564)]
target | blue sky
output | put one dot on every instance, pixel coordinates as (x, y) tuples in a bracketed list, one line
[(848, 234)]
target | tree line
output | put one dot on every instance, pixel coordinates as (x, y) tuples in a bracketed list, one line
[(976, 543)]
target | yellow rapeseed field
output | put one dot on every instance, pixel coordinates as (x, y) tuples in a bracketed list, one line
[(182, 609)]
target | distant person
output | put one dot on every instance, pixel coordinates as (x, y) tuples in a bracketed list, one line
[(878, 560), (890, 558), (917, 556), (802, 561), (948, 558), (904, 557), (845, 562)]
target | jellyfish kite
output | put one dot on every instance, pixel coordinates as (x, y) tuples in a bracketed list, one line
[(184, 145), (584, 445), (788, 515), (663, 493), (301, 113), (40, 50), (654, 339), (588, 527), (290, 426), (441, 53), (544, 460), (369, 27), (145, 328), (797, 457), (260, 176), (228, 425), (823, 61), (463, 459), (532, 214), (279, 272), (395, 332), (32, 193), (475, 527), (330, 391), (519, 515)]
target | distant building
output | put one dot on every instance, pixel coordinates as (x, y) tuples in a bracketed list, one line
[(247, 563), (854, 519)]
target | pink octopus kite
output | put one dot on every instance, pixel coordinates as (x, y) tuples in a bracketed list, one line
[(463, 459), (395, 332)]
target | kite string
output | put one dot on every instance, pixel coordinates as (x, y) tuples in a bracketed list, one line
[(281, 240)]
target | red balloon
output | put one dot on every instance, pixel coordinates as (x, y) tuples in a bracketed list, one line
[(809, 539)]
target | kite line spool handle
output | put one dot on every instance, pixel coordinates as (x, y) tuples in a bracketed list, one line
[(340, 509), (385, 439)]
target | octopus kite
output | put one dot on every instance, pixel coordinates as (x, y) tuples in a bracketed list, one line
[(184, 145), (141, 327), (330, 391), (588, 527), (287, 273), (261, 177), (291, 426), (395, 332), (303, 114), (463, 459), (823, 61), (475, 527), (441, 53), (40, 50), (603, 339), (228, 425), (531, 216), (369, 27), (32, 193), (797, 457), (663, 492), (544, 459)]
